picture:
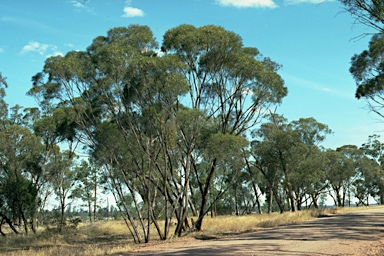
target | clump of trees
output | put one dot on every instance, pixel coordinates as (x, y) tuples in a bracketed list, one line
[(172, 131)]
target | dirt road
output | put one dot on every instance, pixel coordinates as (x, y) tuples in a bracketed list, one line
[(355, 233)]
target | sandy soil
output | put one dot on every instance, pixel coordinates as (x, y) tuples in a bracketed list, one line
[(355, 233)]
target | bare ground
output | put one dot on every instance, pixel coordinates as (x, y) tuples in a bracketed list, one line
[(354, 233)]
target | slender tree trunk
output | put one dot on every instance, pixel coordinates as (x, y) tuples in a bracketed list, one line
[(314, 201), (193, 209), (1, 225), (254, 186), (185, 197), (338, 198), (204, 200), (89, 210), (128, 219), (25, 221), (9, 222), (257, 197), (236, 203), (279, 202), (270, 199), (62, 218), (95, 200), (34, 223)]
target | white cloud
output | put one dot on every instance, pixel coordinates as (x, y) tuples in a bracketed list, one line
[(81, 6), (57, 53), (132, 12), (77, 4), (248, 3), (294, 2), (40, 48), (1, 50), (35, 47)]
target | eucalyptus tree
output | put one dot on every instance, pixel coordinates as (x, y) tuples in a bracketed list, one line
[(366, 67), (368, 73), (281, 148), (63, 181), (373, 175), (227, 149), (90, 180), (374, 148), (21, 155), (311, 178), (285, 152), (368, 177), (255, 180), (367, 12), (307, 175), (231, 84), (22, 173), (120, 80), (339, 173), (268, 149)]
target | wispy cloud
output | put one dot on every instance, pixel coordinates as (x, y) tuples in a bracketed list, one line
[(295, 2), (40, 48), (1, 50), (297, 81), (130, 12), (27, 23), (81, 6), (248, 3)]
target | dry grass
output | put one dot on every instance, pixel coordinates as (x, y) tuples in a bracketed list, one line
[(224, 225), (101, 238), (112, 237)]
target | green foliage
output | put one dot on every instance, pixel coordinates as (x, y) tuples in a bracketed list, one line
[(288, 154), (369, 83), (226, 147), (18, 196), (21, 174)]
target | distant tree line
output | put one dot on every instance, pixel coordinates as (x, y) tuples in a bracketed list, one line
[(184, 129)]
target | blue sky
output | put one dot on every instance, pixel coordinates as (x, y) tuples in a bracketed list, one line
[(313, 40)]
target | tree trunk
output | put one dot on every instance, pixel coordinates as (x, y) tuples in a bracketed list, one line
[(204, 200), (62, 212), (291, 197), (95, 202), (236, 203), (314, 201), (193, 209), (270, 200), (89, 210), (338, 198), (34, 224), (185, 197), (9, 222)]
